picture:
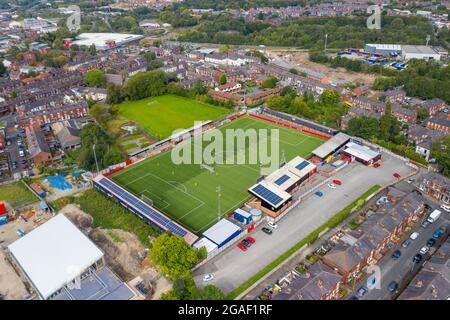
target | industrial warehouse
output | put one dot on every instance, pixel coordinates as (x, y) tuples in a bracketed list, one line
[(61, 263)]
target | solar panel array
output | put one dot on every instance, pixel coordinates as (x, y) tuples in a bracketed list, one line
[(267, 195), (150, 212), (282, 179), (302, 165)]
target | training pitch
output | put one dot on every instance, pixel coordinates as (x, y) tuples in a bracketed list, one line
[(160, 116), (188, 194)]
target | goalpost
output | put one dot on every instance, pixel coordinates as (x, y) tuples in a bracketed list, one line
[(147, 200), (207, 167)]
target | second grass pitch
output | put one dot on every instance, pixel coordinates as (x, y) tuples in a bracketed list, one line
[(187, 192)]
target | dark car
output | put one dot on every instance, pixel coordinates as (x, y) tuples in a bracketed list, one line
[(431, 242), (246, 243), (267, 230), (417, 258), (417, 191), (439, 232), (397, 254), (427, 206), (362, 291), (393, 286)]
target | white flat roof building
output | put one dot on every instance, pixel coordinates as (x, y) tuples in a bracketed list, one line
[(54, 255), (106, 41), (419, 52)]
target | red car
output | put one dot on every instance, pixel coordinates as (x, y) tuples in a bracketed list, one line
[(337, 182), (250, 239), (242, 246), (396, 175), (376, 165)]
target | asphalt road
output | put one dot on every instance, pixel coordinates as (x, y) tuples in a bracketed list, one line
[(233, 267), (402, 269), (13, 149)]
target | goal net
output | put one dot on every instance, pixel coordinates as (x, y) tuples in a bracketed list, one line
[(147, 200)]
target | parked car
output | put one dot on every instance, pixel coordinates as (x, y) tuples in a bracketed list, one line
[(250, 239), (208, 277), (337, 182), (397, 254), (417, 258), (411, 180), (424, 250), (414, 235), (438, 233), (362, 291), (425, 223), (393, 286), (431, 242), (376, 165), (246, 243), (445, 207), (427, 206), (331, 186), (396, 175), (272, 224), (406, 243), (266, 230), (318, 193), (241, 246)]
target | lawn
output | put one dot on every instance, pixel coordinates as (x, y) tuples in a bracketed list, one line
[(160, 116), (187, 193), (17, 194)]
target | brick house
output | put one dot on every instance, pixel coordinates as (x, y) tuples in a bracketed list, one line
[(436, 186), (441, 124), (226, 96), (433, 106), (263, 95), (37, 146), (404, 114), (367, 244)]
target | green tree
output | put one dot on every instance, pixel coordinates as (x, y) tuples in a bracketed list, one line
[(146, 84), (114, 94), (95, 78), (92, 50), (386, 122), (364, 127), (269, 83), (172, 256), (422, 113), (211, 292), (440, 150), (223, 79), (293, 71)]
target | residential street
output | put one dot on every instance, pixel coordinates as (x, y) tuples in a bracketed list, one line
[(232, 267)]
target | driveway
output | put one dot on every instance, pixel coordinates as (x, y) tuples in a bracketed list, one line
[(233, 267)]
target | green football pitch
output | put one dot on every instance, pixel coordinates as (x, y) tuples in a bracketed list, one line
[(187, 193), (160, 116)]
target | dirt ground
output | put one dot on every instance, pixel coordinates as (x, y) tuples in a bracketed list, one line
[(301, 59), (11, 285), (124, 253)]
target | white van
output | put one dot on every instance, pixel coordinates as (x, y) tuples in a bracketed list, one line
[(21, 153), (434, 216)]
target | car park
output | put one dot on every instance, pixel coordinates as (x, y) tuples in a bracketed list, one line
[(397, 254), (414, 235), (406, 243), (362, 291), (273, 225), (393, 286), (266, 230), (417, 258), (424, 250), (431, 242), (445, 207)]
